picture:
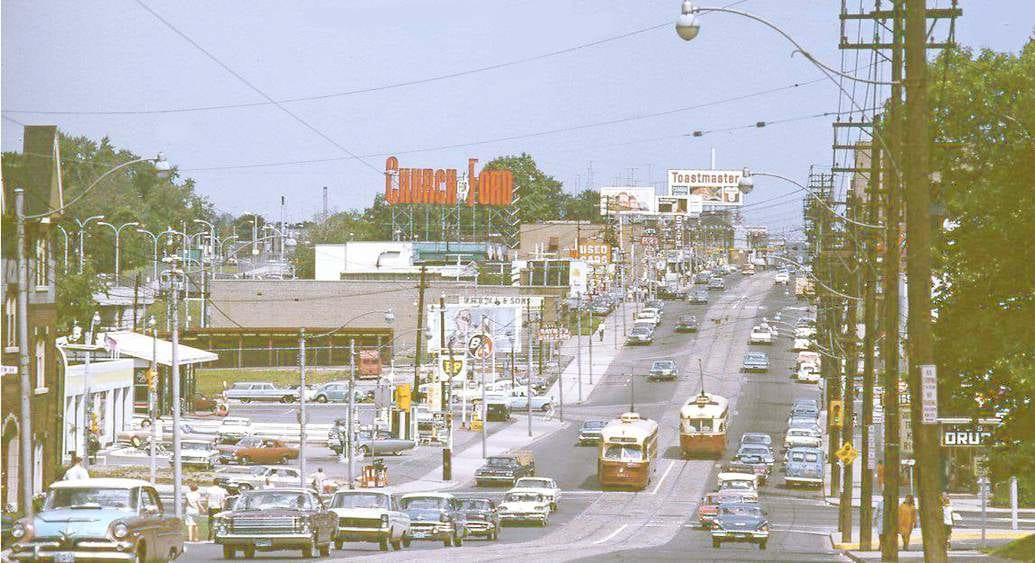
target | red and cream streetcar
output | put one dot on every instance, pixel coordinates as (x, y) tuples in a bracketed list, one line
[(628, 452), (702, 425)]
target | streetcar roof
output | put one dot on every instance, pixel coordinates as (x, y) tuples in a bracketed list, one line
[(704, 405), (629, 428)]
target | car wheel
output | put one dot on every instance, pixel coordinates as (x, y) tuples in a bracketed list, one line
[(283, 460), (544, 522), (244, 487), (716, 544), (383, 544), (447, 542), (229, 552), (287, 399), (246, 401), (321, 398), (364, 451), (546, 407), (246, 460)]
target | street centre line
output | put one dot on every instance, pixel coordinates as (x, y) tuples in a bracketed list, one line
[(662, 480), (613, 534)]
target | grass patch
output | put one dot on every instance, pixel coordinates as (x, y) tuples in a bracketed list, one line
[(164, 475), (1021, 550), (210, 381)]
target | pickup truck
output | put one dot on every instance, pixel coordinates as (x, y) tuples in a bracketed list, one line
[(248, 391), (506, 468)]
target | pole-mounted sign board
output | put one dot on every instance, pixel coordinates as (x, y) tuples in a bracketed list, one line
[(928, 394)]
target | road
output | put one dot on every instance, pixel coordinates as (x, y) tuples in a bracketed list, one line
[(657, 523)]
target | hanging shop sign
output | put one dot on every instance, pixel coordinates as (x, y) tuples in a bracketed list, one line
[(446, 187)]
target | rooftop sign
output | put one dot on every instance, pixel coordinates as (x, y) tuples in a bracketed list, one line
[(445, 187)]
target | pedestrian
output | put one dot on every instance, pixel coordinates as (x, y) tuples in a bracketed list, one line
[(268, 483), (195, 506), (947, 519), (906, 520), (216, 501), (319, 478), (77, 471)]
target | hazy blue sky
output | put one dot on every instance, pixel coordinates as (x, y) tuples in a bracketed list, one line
[(114, 55)]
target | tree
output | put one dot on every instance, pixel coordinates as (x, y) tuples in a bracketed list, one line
[(984, 139), (540, 197), (74, 298)]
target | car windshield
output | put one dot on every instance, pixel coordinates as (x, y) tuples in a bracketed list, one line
[(250, 442), (360, 500), (740, 511), (801, 432), (424, 503), (664, 365), (535, 483), (271, 500), (622, 452), (754, 451), (755, 358), (499, 462), (754, 439), (523, 497), (594, 424), (806, 457), (738, 484), (640, 331), (122, 499), (476, 504), (236, 422)]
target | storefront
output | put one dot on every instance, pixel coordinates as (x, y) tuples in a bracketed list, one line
[(964, 445), (108, 385)]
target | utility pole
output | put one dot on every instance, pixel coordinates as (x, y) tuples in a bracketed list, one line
[(417, 396), (302, 420), (350, 443), (578, 354), (25, 468), (869, 321), (851, 367), (590, 365), (176, 278), (528, 375), (918, 268), (447, 452), (152, 399)]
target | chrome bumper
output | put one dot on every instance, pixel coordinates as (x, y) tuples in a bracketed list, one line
[(101, 550)]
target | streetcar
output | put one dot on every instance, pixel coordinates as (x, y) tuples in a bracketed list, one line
[(703, 421), (628, 452)]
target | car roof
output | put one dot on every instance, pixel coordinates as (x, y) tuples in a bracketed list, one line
[(525, 490), (281, 490), (429, 494), (664, 361), (740, 505), (100, 483)]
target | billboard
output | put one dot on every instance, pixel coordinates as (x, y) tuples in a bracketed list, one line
[(716, 188), (627, 200), (681, 204), (502, 322), (445, 187)]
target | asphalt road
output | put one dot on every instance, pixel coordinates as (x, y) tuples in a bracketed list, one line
[(657, 523)]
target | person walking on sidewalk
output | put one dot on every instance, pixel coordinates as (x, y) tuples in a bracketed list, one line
[(319, 480), (215, 500), (77, 471), (947, 519), (906, 520), (878, 520)]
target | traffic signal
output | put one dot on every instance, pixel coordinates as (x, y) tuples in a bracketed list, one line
[(402, 397), (835, 415), (150, 374)]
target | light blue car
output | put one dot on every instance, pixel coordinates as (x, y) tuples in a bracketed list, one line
[(334, 392), (99, 519), (804, 467), (541, 403)]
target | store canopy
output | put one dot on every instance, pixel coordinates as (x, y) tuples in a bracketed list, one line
[(144, 347)]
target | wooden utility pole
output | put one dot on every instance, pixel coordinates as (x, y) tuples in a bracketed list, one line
[(918, 271), (869, 321), (851, 363)]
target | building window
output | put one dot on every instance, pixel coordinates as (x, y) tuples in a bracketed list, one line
[(41, 363), (42, 263), (10, 322)]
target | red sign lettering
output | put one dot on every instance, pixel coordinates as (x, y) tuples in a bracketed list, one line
[(439, 186)]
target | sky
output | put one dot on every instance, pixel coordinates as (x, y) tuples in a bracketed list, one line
[(598, 92)]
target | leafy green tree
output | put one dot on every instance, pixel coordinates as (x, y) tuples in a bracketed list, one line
[(540, 197), (74, 298)]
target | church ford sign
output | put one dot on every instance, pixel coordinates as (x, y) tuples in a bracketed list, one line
[(966, 434)]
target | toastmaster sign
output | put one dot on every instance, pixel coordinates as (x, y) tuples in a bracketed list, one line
[(444, 187)]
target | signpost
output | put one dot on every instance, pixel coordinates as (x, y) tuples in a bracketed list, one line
[(929, 394)]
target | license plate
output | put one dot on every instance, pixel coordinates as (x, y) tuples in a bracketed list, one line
[(61, 557), (263, 543), (418, 535)]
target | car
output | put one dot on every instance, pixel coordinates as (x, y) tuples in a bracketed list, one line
[(483, 518), (98, 519), (505, 468), (253, 449), (702, 278), (649, 315), (368, 441), (806, 402), (761, 334), (640, 335), (756, 438), (277, 519), (525, 505), (663, 370), (591, 431), (765, 453), (369, 516), (686, 323), (546, 486), (782, 278), (748, 270), (336, 392), (709, 505), (805, 332), (518, 401), (755, 361), (197, 453), (805, 411), (655, 304), (803, 422), (257, 478), (802, 344), (698, 296), (804, 467), (806, 437), (233, 428), (736, 522), (142, 436), (807, 373), (716, 284), (435, 517), (737, 481), (750, 464), (248, 391)]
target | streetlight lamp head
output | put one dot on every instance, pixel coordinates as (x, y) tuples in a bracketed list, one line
[(162, 166), (389, 316), (687, 26), (746, 182), (96, 317)]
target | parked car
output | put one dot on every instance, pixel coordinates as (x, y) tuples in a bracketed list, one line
[(804, 467), (248, 391), (807, 373), (803, 422), (369, 516), (525, 505), (756, 438), (756, 450), (649, 315), (698, 296), (740, 523), (336, 392), (762, 334), (233, 428), (662, 370), (256, 478), (591, 432), (686, 323), (519, 402), (802, 437), (716, 284), (802, 344), (253, 449), (277, 519), (782, 278), (805, 332), (506, 468), (98, 519), (640, 335), (435, 517), (197, 453), (805, 411), (140, 437), (755, 361), (368, 442), (482, 516), (546, 486)]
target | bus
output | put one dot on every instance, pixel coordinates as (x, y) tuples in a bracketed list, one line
[(702, 425), (628, 452)]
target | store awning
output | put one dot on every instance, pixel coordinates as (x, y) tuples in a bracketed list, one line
[(144, 347)]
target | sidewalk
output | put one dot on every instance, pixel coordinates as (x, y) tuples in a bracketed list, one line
[(604, 352), (965, 544)]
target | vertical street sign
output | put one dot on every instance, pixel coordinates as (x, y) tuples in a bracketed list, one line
[(929, 394), (871, 445)]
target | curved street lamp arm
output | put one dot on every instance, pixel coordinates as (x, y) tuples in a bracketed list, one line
[(798, 46), (817, 280), (820, 199), (346, 323), (92, 186)]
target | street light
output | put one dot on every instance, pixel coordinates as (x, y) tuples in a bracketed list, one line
[(82, 233), (87, 349), (154, 254), (118, 234), (747, 183), (687, 26)]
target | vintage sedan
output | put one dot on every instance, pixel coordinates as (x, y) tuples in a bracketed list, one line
[(257, 476), (254, 449), (525, 505), (740, 523), (435, 517), (755, 361), (368, 442), (99, 519), (142, 436), (197, 453), (545, 486), (276, 520), (336, 392), (483, 518), (709, 505), (662, 370), (370, 516), (233, 428), (519, 402), (686, 323), (591, 432)]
